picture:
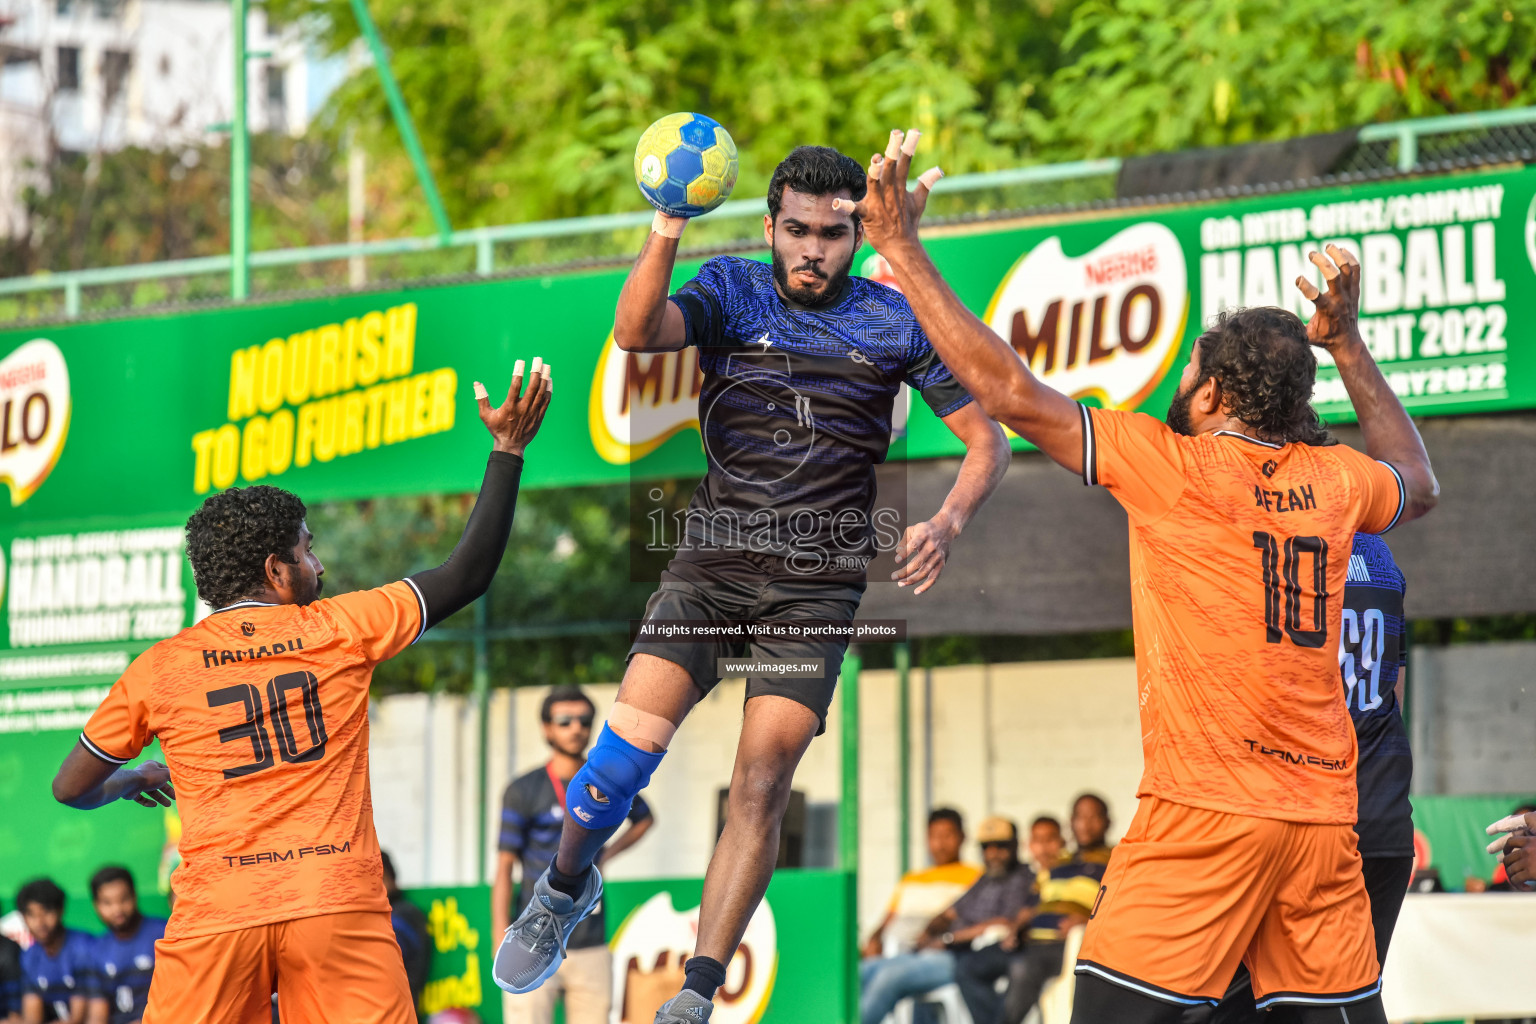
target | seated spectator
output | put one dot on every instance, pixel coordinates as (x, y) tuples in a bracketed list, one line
[(124, 958), (1032, 952), (922, 895), (10, 980), (410, 924), (1090, 824), (56, 968), (987, 908)]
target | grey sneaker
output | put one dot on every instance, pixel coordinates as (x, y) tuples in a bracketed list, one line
[(687, 1007), (534, 946)]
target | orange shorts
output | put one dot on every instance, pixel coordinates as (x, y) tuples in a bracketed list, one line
[(335, 967), (1189, 893)]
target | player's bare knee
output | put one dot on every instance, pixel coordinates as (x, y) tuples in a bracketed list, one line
[(760, 793)]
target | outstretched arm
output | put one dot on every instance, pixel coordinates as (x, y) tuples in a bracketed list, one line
[(924, 547), (86, 782), (468, 572), (1389, 433), (645, 321), (990, 370)]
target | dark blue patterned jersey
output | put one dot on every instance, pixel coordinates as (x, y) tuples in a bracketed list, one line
[(123, 967), (57, 979), (795, 410), (1371, 657)]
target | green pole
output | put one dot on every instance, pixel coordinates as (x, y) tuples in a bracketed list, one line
[(848, 827), (904, 753), (239, 172), (482, 681), (403, 120)]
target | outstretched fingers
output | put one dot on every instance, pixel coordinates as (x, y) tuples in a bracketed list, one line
[(1307, 288)]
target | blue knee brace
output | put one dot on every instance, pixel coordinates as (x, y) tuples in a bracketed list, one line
[(615, 768)]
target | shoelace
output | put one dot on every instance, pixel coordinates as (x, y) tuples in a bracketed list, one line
[(546, 919)]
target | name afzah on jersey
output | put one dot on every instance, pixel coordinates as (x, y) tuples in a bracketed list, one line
[(1294, 499)]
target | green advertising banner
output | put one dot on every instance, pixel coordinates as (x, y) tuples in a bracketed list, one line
[(112, 432), (652, 925)]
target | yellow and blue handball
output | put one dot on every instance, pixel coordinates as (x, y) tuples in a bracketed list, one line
[(685, 164)]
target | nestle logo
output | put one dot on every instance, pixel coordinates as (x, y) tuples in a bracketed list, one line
[(248, 629)]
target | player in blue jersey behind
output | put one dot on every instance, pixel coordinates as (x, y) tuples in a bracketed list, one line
[(1372, 657), (802, 365), (124, 958), (56, 968)]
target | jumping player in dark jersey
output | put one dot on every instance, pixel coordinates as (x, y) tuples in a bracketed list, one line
[(802, 365), (1372, 657)]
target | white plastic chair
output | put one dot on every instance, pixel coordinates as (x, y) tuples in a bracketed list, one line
[(946, 997)]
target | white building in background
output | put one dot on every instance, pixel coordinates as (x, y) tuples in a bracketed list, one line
[(98, 75)]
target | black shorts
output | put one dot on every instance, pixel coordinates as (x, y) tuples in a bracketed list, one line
[(736, 586)]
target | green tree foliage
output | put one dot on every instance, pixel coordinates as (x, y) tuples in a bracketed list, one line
[(530, 109), (141, 205), (1147, 76), (567, 564)]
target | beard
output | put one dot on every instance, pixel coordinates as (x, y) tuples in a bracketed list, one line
[(1178, 413), (312, 595), (807, 297)]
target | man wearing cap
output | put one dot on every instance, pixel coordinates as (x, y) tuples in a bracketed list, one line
[(983, 914)]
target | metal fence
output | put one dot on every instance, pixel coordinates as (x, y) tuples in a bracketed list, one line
[(1423, 146)]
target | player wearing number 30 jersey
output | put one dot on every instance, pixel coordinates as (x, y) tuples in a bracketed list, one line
[(1242, 510), (261, 711)]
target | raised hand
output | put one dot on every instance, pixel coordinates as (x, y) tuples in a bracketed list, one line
[(156, 788), (1336, 320), (888, 211), (515, 422)]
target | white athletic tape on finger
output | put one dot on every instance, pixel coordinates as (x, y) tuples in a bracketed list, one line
[(538, 364), (1513, 823), (480, 391), (633, 724), (517, 368), (893, 147), (909, 144), (930, 177), (668, 227)]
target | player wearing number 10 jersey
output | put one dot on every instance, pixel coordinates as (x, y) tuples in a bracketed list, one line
[(1242, 511), (261, 710)]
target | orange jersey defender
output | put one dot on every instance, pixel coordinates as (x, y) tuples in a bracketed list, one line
[(1239, 551), (262, 713)]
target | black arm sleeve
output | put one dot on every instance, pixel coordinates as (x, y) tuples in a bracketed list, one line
[(467, 573)]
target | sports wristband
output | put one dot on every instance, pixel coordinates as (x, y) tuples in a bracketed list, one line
[(669, 227)]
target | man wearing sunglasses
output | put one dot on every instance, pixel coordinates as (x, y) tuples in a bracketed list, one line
[(532, 813)]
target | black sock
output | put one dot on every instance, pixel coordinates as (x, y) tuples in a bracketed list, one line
[(572, 885), (703, 975)]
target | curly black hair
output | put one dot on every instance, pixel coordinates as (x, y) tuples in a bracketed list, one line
[(1263, 361), (231, 535), (815, 171)]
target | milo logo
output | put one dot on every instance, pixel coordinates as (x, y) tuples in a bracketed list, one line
[(34, 415), (1105, 324), (649, 949), (640, 399)]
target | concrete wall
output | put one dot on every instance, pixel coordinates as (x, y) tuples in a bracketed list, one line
[(1472, 715), (1017, 740)]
